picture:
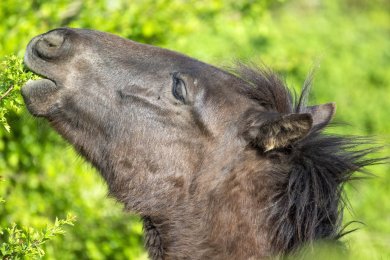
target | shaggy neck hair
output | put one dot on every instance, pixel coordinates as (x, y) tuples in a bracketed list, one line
[(308, 200)]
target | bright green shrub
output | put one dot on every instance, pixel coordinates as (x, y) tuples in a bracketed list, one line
[(19, 243), (12, 78)]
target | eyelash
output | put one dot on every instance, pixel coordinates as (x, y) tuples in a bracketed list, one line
[(179, 90)]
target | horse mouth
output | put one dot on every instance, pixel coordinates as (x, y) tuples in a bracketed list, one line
[(39, 95), (39, 87)]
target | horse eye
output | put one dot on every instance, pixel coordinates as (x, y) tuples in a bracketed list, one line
[(179, 89)]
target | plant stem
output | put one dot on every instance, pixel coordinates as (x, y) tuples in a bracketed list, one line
[(7, 92)]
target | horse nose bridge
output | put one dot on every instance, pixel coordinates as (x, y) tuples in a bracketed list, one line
[(50, 45)]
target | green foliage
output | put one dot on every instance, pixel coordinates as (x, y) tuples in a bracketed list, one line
[(19, 243), (46, 179), (12, 78)]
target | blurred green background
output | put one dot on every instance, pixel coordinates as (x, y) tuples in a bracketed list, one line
[(45, 178)]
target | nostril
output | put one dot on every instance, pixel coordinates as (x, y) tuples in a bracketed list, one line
[(53, 39), (50, 45)]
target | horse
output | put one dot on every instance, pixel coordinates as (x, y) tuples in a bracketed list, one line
[(220, 164)]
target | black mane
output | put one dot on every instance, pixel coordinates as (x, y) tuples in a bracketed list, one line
[(308, 199)]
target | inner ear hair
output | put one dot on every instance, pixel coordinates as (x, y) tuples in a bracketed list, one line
[(284, 131)]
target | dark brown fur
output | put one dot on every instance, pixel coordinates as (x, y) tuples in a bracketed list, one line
[(220, 165)]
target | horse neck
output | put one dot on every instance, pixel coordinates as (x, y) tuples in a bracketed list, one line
[(222, 218)]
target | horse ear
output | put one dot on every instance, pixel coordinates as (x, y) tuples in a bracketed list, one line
[(272, 131), (322, 114)]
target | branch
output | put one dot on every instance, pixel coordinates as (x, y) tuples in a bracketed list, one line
[(7, 92)]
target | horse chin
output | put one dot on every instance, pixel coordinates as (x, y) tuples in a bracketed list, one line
[(39, 96)]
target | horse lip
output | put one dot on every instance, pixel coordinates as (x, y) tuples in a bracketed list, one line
[(38, 89), (43, 82), (38, 95), (33, 62)]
